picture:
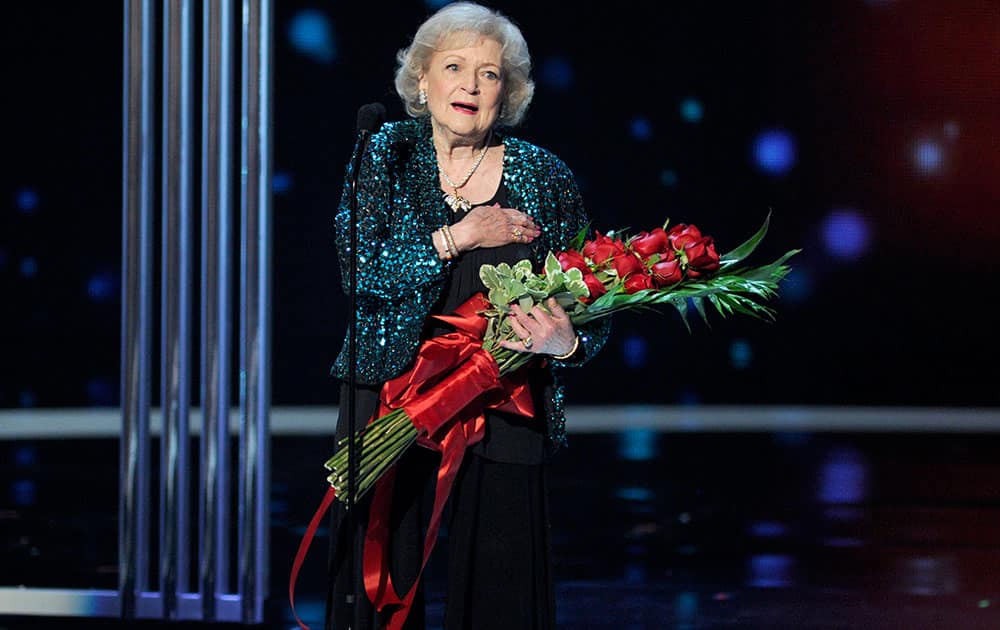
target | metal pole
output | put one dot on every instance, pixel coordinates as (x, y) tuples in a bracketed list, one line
[(176, 302), (216, 304), (255, 329), (137, 238)]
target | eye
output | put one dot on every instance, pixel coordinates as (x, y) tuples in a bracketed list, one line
[(492, 76), (452, 66)]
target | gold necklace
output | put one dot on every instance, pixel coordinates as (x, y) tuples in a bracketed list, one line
[(456, 201)]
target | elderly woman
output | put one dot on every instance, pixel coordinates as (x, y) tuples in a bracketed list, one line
[(438, 196)]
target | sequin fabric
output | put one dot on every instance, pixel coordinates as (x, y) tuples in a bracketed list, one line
[(400, 276)]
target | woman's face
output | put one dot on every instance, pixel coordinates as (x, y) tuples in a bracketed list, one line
[(464, 85)]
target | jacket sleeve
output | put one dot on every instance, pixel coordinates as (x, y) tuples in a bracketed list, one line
[(392, 259), (573, 218)]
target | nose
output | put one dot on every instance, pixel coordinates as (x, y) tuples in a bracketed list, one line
[(470, 82)]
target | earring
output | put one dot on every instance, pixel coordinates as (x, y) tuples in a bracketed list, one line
[(422, 97)]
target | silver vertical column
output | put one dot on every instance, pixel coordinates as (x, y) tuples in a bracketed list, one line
[(216, 303), (175, 397), (137, 244), (255, 300)]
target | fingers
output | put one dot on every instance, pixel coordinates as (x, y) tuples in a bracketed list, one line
[(524, 325)]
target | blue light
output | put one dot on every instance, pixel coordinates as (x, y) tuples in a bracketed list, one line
[(797, 285), (311, 33), (637, 445), (768, 529), (24, 492), (557, 74), (29, 267), (843, 477), (634, 494), (101, 392), (668, 177), (434, 5), (634, 351), (774, 151), (691, 110), (771, 570), (25, 456), (641, 129), (102, 286), (281, 183), (845, 234), (27, 200), (740, 354), (928, 157), (26, 398)]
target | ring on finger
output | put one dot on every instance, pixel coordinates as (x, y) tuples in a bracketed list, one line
[(527, 342), (517, 233)]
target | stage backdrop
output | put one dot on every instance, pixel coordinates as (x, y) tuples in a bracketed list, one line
[(869, 129)]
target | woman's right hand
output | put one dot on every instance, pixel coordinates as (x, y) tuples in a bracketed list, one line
[(493, 226)]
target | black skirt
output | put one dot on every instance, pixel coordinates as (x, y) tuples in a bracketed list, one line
[(498, 544)]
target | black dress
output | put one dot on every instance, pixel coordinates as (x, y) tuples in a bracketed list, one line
[(499, 570)]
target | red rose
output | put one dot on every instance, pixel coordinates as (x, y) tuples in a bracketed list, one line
[(648, 243), (627, 264), (596, 287), (701, 257), (666, 272), (572, 260), (638, 282), (682, 235), (602, 248)]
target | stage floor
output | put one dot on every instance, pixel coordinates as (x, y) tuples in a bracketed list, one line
[(651, 528)]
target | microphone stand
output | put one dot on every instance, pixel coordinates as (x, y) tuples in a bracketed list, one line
[(370, 118)]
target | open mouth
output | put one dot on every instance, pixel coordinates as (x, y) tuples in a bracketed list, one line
[(465, 108)]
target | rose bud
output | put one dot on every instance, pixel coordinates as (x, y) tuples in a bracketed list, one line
[(702, 257), (648, 243), (572, 260), (596, 287), (682, 235), (602, 248), (627, 264), (666, 272), (638, 282)]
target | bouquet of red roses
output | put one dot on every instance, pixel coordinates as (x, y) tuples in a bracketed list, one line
[(675, 265), (440, 401)]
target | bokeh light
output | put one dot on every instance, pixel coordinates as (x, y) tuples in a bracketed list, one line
[(557, 74), (29, 267), (740, 354), (103, 286), (668, 177), (641, 129), (27, 200), (691, 110), (634, 351), (928, 157), (846, 234), (281, 182), (637, 444), (311, 33), (774, 151)]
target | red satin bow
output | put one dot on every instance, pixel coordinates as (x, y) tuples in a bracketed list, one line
[(445, 394)]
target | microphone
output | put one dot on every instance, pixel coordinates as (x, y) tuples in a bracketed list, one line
[(370, 119)]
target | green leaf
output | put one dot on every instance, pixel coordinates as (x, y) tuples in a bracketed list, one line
[(747, 247), (552, 265), (577, 241), (488, 274)]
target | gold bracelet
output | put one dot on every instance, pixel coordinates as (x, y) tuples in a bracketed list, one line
[(449, 241), (444, 241), (576, 344)]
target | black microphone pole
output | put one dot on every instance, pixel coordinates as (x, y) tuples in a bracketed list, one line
[(370, 119)]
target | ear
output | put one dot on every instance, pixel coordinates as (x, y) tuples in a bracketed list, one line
[(422, 81)]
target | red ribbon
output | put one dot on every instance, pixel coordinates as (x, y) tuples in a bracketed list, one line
[(453, 381)]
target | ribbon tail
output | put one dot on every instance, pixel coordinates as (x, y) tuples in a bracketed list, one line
[(304, 545)]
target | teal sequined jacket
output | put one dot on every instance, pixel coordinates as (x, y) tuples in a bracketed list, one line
[(400, 277)]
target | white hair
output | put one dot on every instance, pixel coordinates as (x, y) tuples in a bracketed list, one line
[(478, 21)]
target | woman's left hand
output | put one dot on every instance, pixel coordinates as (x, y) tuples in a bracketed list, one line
[(541, 332)]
